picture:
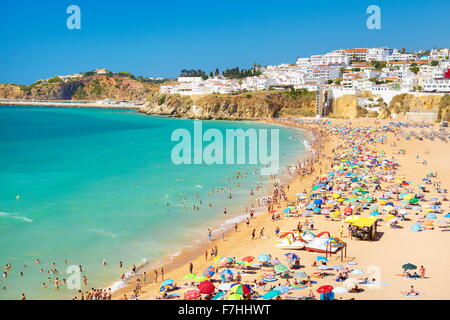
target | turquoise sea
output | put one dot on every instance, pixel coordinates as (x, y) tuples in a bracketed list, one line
[(93, 184)]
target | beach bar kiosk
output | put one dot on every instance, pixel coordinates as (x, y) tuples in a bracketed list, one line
[(363, 228)]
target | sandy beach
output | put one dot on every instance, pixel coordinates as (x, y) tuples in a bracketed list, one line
[(380, 261)]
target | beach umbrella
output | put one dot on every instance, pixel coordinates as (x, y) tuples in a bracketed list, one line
[(234, 296), (200, 279), (350, 282), (190, 276), (375, 213), (240, 288), (227, 260), (414, 200), (416, 227), (219, 295), (274, 261), (300, 275), (338, 267), (291, 256), (283, 289), (357, 271), (447, 215), (323, 267), (264, 257), (325, 289), (206, 287), (244, 263), (192, 294), (209, 272), (321, 258), (318, 201), (227, 271), (167, 282), (340, 290), (409, 266), (271, 294), (248, 258), (224, 286), (431, 216), (280, 267), (270, 279)]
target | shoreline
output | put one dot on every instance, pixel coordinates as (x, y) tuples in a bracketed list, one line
[(175, 260)]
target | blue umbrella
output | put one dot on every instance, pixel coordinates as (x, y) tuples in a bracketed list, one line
[(271, 294), (321, 258), (318, 201), (167, 282), (227, 271), (431, 216), (264, 257), (338, 267), (291, 256), (287, 210), (374, 213), (447, 215), (416, 227)]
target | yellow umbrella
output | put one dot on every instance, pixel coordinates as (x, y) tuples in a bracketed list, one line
[(234, 296), (335, 196)]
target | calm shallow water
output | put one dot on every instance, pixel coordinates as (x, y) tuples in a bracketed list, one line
[(95, 184)]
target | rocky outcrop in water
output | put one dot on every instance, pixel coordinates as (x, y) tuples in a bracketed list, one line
[(251, 105)]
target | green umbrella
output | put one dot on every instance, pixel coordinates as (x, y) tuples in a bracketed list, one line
[(414, 200), (280, 268), (409, 266), (201, 278)]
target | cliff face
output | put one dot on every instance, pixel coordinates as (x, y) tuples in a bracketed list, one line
[(87, 88), (430, 103), (254, 105)]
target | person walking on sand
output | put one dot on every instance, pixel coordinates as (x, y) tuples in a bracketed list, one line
[(222, 234), (248, 222), (191, 267), (156, 275), (261, 233), (206, 255), (209, 234), (341, 230), (236, 227), (162, 274), (253, 234)]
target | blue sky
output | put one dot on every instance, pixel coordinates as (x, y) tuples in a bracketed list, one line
[(160, 37)]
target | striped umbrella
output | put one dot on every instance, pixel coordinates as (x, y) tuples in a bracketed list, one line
[(240, 288), (209, 272)]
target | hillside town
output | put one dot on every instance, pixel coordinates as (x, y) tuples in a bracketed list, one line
[(383, 71)]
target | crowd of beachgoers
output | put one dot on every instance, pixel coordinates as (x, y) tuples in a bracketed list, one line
[(385, 174)]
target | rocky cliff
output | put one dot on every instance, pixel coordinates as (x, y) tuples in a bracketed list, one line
[(254, 105), (87, 88), (403, 103)]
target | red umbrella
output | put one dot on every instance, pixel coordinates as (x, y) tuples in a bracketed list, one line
[(325, 289), (348, 210), (248, 258), (206, 287), (272, 211), (192, 294)]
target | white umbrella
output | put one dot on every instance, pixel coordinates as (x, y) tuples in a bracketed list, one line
[(224, 286), (350, 283), (340, 290)]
